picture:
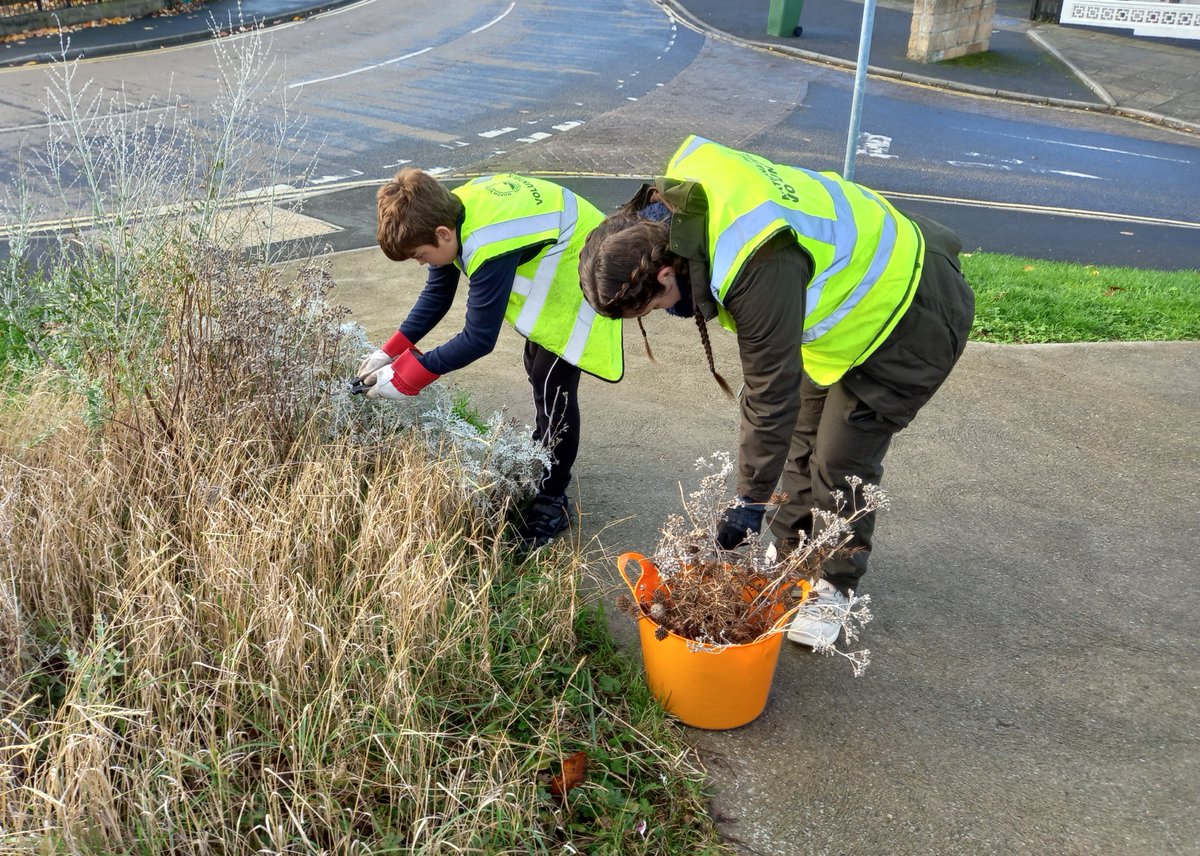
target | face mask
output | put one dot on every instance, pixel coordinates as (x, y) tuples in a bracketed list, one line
[(684, 308), (656, 211)]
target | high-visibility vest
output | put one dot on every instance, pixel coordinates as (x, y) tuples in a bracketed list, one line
[(507, 212), (866, 255)]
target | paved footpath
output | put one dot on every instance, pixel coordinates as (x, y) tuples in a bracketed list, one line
[(1035, 655)]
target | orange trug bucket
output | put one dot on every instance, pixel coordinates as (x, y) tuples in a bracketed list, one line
[(706, 688)]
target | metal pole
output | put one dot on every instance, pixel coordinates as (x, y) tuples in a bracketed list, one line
[(860, 85)]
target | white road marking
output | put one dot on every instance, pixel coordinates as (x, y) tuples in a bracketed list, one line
[(566, 126), (495, 20), (326, 179), (52, 122), (496, 133), (1083, 214), (1007, 166), (359, 70), (875, 145), (374, 66), (1082, 146), (397, 163), (457, 144), (533, 138)]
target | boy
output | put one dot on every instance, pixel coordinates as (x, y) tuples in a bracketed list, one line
[(518, 241)]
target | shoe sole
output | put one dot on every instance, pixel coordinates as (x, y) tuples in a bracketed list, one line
[(810, 640)]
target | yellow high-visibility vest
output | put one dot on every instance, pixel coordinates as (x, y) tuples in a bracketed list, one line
[(866, 255), (508, 212)]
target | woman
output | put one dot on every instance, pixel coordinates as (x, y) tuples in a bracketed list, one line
[(849, 316)]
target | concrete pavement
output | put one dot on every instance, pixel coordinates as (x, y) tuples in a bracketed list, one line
[(1035, 652)]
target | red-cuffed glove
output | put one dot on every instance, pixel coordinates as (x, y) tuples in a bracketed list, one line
[(384, 356), (406, 376)]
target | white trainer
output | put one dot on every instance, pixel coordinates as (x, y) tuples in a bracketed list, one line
[(818, 623)]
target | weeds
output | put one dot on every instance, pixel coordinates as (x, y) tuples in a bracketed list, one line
[(242, 611)]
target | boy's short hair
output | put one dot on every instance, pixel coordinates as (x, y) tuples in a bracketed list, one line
[(411, 207)]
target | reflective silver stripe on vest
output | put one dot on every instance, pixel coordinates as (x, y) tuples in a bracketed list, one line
[(580, 332), (537, 289), (519, 228), (696, 143), (841, 233), (883, 255)]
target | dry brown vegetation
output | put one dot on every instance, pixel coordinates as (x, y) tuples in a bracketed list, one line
[(242, 611)]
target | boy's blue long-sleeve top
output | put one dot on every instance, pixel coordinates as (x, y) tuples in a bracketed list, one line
[(487, 299)]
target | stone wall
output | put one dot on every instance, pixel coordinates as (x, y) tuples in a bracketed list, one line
[(944, 29)]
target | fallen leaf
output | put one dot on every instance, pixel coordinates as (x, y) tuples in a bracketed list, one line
[(574, 769), (1028, 267)]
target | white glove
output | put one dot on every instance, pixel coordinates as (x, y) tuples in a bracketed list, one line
[(374, 363), (382, 386)]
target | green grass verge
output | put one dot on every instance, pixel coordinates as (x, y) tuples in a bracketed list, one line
[(1021, 300)]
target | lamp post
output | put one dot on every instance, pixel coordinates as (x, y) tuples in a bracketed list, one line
[(860, 85)]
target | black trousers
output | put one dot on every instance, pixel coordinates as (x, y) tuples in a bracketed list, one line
[(846, 429), (555, 385)]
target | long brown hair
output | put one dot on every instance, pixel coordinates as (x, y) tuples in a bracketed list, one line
[(618, 272), (619, 265)]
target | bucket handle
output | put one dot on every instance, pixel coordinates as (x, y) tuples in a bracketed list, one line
[(648, 581), (784, 620)]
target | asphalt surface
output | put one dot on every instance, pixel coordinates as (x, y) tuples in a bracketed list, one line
[(1101, 68), (1036, 649)]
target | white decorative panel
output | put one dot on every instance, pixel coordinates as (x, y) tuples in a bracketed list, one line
[(1144, 17)]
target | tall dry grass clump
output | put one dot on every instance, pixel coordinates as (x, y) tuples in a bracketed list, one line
[(223, 645), (244, 612)]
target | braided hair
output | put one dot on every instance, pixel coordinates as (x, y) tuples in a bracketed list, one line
[(618, 272)]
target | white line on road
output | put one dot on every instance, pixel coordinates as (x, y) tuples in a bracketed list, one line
[(1054, 210), (980, 164), (533, 138), (358, 70), (51, 123), (374, 66), (496, 133), (495, 20), (875, 145), (1081, 146), (329, 179)]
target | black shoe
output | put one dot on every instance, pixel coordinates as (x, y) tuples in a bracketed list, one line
[(546, 517)]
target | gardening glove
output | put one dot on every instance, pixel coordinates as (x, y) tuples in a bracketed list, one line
[(384, 356), (406, 376), (743, 515)]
